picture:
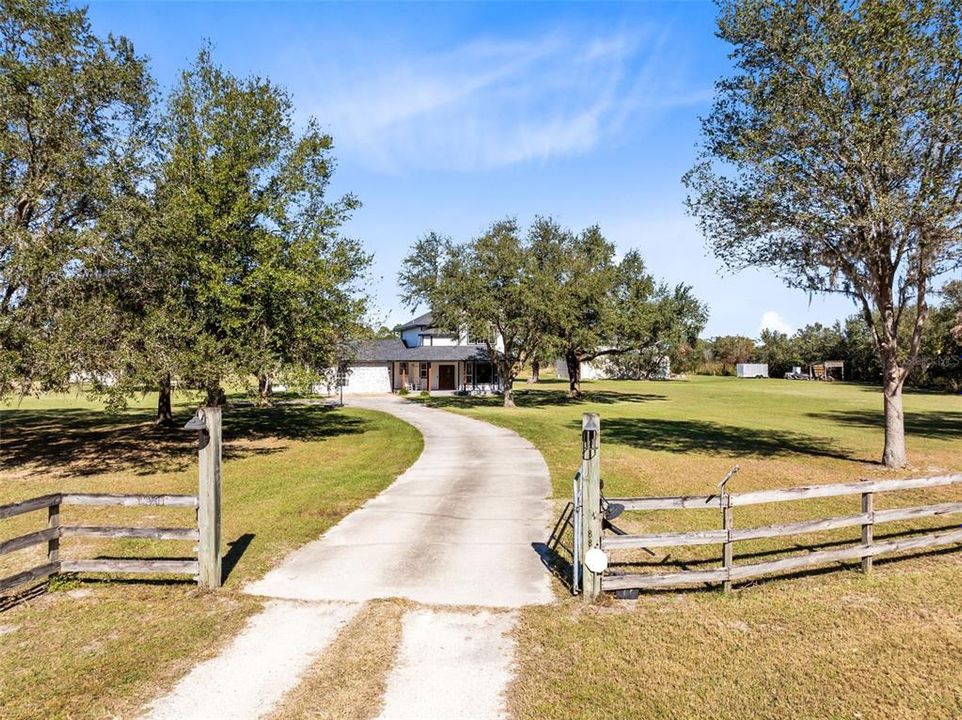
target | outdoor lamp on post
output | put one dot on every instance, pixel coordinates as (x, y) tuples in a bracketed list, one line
[(199, 423), (590, 427)]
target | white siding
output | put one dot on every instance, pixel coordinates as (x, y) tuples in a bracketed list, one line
[(107, 379), (361, 379), (412, 338), (599, 369), (442, 340), (589, 370)]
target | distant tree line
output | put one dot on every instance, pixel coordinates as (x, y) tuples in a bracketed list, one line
[(148, 242), (549, 292), (938, 365)]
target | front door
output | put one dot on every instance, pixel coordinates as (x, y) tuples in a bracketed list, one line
[(446, 377)]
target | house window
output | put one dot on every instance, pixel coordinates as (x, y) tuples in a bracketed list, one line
[(484, 373), (404, 368), (424, 371), (469, 373)]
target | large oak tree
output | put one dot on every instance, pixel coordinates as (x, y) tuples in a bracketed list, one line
[(245, 266), (73, 129), (597, 307), (487, 287), (547, 292), (833, 155)]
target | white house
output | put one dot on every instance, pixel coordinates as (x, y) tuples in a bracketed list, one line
[(421, 358), (601, 369), (591, 370)]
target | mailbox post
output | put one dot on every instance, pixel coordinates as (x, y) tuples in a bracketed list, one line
[(591, 498), (207, 422)]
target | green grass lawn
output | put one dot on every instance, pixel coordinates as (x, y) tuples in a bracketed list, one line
[(682, 437), (825, 644), (97, 648)]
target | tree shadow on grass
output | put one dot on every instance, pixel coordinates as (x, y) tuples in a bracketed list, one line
[(81, 442), (701, 436), (876, 388), (540, 398), (943, 425)]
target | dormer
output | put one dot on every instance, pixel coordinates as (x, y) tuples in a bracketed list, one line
[(420, 332)]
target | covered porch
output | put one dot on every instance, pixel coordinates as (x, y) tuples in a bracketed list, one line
[(474, 377)]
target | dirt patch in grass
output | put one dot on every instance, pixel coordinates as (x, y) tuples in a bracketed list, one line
[(349, 681)]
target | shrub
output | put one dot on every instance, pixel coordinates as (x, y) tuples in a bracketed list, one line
[(425, 393), (403, 391)]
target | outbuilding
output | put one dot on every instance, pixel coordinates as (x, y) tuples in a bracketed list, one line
[(751, 370)]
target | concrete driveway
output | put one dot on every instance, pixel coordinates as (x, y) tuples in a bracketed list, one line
[(458, 528)]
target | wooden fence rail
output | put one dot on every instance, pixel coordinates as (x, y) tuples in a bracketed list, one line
[(129, 500), (55, 531), (37, 503), (867, 519), (206, 531)]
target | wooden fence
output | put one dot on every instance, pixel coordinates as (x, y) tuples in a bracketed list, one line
[(593, 535), (865, 551), (206, 531)]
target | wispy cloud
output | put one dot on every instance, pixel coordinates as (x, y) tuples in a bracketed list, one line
[(491, 103)]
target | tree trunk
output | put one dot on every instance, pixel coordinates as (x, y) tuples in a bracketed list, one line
[(894, 454), (165, 416), (265, 389), (215, 396), (507, 384), (574, 373), (535, 372)]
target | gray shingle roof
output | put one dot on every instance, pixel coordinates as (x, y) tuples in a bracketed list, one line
[(424, 320), (376, 351)]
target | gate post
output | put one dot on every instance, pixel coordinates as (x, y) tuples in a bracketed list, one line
[(868, 508), (591, 497), (208, 498)]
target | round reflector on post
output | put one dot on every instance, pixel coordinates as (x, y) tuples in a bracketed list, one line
[(596, 560)]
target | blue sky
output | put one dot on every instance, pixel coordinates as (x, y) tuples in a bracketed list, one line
[(449, 116)]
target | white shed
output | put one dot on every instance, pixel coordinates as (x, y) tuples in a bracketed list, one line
[(752, 370)]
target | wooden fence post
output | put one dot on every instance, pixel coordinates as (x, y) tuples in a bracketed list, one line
[(53, 545), (725, 501), (868, 507), (727, 546), (591, 520), (208, 499)]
